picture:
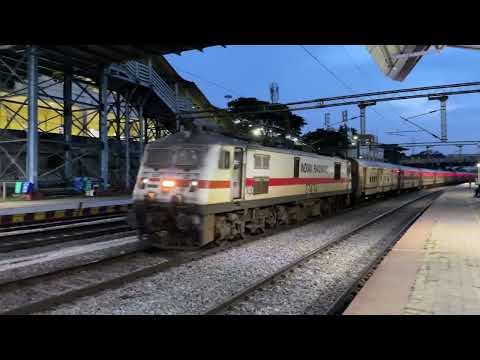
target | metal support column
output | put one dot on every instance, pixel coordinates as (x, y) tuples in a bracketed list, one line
[(327, 121), (67, 121), (177, 118), (443, 115), (362, 119), (127, 147), (32, 135), (345, 118), (142, 134), (103, 106)]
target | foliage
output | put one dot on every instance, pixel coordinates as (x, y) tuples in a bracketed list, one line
[(249, 121), (426, 154), (327, 141)]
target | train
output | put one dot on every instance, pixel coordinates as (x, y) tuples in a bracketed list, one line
[(196, 188)]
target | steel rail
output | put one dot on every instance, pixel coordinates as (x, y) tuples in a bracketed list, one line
[(176, 259), (48, 237), (339, 305), (225, 304)]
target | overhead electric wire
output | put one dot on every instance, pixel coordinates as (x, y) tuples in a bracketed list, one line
[(427, 113), (326, 68), (336, 77), (427, 131), (209, 81), (411, 122)]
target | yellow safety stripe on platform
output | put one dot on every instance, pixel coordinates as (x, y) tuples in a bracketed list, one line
[(60, 214), (39, 216), (18, 218)]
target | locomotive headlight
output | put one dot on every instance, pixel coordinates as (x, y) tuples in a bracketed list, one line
[(193, 185), (142, 183), (168, 183)]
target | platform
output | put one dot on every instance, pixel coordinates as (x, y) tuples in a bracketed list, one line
[(14, 212), (434, 268)]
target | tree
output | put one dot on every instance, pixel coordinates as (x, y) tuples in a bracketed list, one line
[(328, 141), (268, 127), (426, 154)]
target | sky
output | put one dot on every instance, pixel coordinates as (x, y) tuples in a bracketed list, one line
[(248, 71)]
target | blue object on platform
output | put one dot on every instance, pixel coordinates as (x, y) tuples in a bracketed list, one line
[(78, 184), (27, 187)]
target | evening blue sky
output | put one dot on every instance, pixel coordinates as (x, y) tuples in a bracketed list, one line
[(247, 70)]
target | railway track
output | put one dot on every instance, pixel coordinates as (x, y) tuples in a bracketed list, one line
[(35, 235), (41, 293), (247, 294)]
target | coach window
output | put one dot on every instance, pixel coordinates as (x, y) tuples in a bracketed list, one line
[(266, 162), (224, 162), (296, 166), (261, 161), (338, 169)]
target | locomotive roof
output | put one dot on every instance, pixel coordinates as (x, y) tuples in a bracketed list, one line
[(210, 138), (198, 138)]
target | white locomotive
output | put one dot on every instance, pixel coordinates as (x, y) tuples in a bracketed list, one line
[(194, 188)]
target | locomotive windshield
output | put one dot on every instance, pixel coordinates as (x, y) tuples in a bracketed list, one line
[(190, 158), (159, 158)]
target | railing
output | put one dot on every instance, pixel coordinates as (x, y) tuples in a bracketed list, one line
[(145, 75), (4, 188), (184, 104)]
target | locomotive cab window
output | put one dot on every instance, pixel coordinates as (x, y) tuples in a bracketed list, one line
[(224, 161), (296, 166), (338, 169)]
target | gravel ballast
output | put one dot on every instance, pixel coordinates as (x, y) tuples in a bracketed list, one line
[(312, 288), (194, 287)]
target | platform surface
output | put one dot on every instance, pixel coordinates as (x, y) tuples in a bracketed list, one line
[(434, 268), (21, 206)]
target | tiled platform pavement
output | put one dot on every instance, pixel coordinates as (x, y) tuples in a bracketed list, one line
[(435, 267)]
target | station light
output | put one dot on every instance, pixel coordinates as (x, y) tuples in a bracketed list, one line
[(478, 165), (355, 137), (257, 132)]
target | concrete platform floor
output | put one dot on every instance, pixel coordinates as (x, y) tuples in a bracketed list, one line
[(434, 268), (24, 206)]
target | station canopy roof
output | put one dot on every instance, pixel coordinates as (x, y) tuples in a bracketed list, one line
[(397, 61), (86, 59)]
